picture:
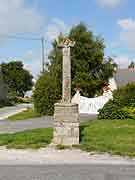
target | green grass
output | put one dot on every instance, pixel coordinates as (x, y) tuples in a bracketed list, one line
[(28, 139), (27, 114), (112, 136)]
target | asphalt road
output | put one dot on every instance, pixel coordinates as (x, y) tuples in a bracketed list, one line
[(7, 126), (67, 172), (11, 110)]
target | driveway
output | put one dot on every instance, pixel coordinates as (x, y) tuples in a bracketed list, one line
[(9, 111), (7, 126)]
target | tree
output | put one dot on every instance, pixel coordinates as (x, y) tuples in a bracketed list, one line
[(89, 68), (46, 94), (3, 90), (18, 79), (132, 65)]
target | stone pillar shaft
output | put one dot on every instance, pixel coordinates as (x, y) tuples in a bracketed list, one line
[(66, 85), (66, 117)]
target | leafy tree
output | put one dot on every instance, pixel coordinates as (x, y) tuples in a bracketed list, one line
[(18, 79), (132, 65), (3, 90), (46, 94), (89, 68)]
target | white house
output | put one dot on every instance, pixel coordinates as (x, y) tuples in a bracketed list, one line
[(122, 77), (92, 105)]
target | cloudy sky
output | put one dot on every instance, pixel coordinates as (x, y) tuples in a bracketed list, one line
[(114, 20)]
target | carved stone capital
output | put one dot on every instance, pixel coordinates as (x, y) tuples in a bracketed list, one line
[(66, 43)]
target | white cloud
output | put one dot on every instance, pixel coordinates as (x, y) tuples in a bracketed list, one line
[(32, 61), (127, 24), (110, 3), (16, 17), (55, 28), (127, 33), (123, 61), (34, 66)]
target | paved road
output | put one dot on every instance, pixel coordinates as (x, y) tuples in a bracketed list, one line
[(8, 111), (7, 126), (67, 172)]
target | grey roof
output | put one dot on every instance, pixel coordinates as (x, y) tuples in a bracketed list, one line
[(124, 76)]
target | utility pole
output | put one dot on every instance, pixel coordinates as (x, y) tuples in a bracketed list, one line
[(42, 39), (43, 54)]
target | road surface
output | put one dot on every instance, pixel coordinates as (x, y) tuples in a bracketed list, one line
[(52, 164), (67, 172), (7, 126), (9, 111)]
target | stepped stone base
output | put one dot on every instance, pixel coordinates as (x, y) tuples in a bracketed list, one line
[(66, 124)]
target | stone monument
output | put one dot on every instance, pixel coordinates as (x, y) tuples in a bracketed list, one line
[(66, 114)]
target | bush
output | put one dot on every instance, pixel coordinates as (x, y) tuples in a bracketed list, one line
[(12, 97), (46, 94), (130, 111), (4, 103), (122, 106)]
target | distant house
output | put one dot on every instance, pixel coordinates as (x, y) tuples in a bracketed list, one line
[(3, 91), (122, 77), (92, 105)]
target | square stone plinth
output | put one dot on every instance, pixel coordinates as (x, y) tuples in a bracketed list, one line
[(66, 124)]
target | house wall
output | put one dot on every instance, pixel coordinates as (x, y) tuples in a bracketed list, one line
[(112, 84)]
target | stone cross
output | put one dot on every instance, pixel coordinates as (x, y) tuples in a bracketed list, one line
[(66, 85), (66, 116)]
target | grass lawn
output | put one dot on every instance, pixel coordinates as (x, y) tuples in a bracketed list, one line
[(27, 114), (28, 139), (112, 136)]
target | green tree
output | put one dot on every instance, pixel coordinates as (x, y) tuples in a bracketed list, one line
[(18, 79), (89, 68), (46, 94), (131, 65)]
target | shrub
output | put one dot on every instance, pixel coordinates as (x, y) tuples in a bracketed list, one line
[(122, 106), (130, 111), (5, 103), (46, 94), (12, 97)]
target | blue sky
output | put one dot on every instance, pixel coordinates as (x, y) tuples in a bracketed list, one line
[(114, 20)]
